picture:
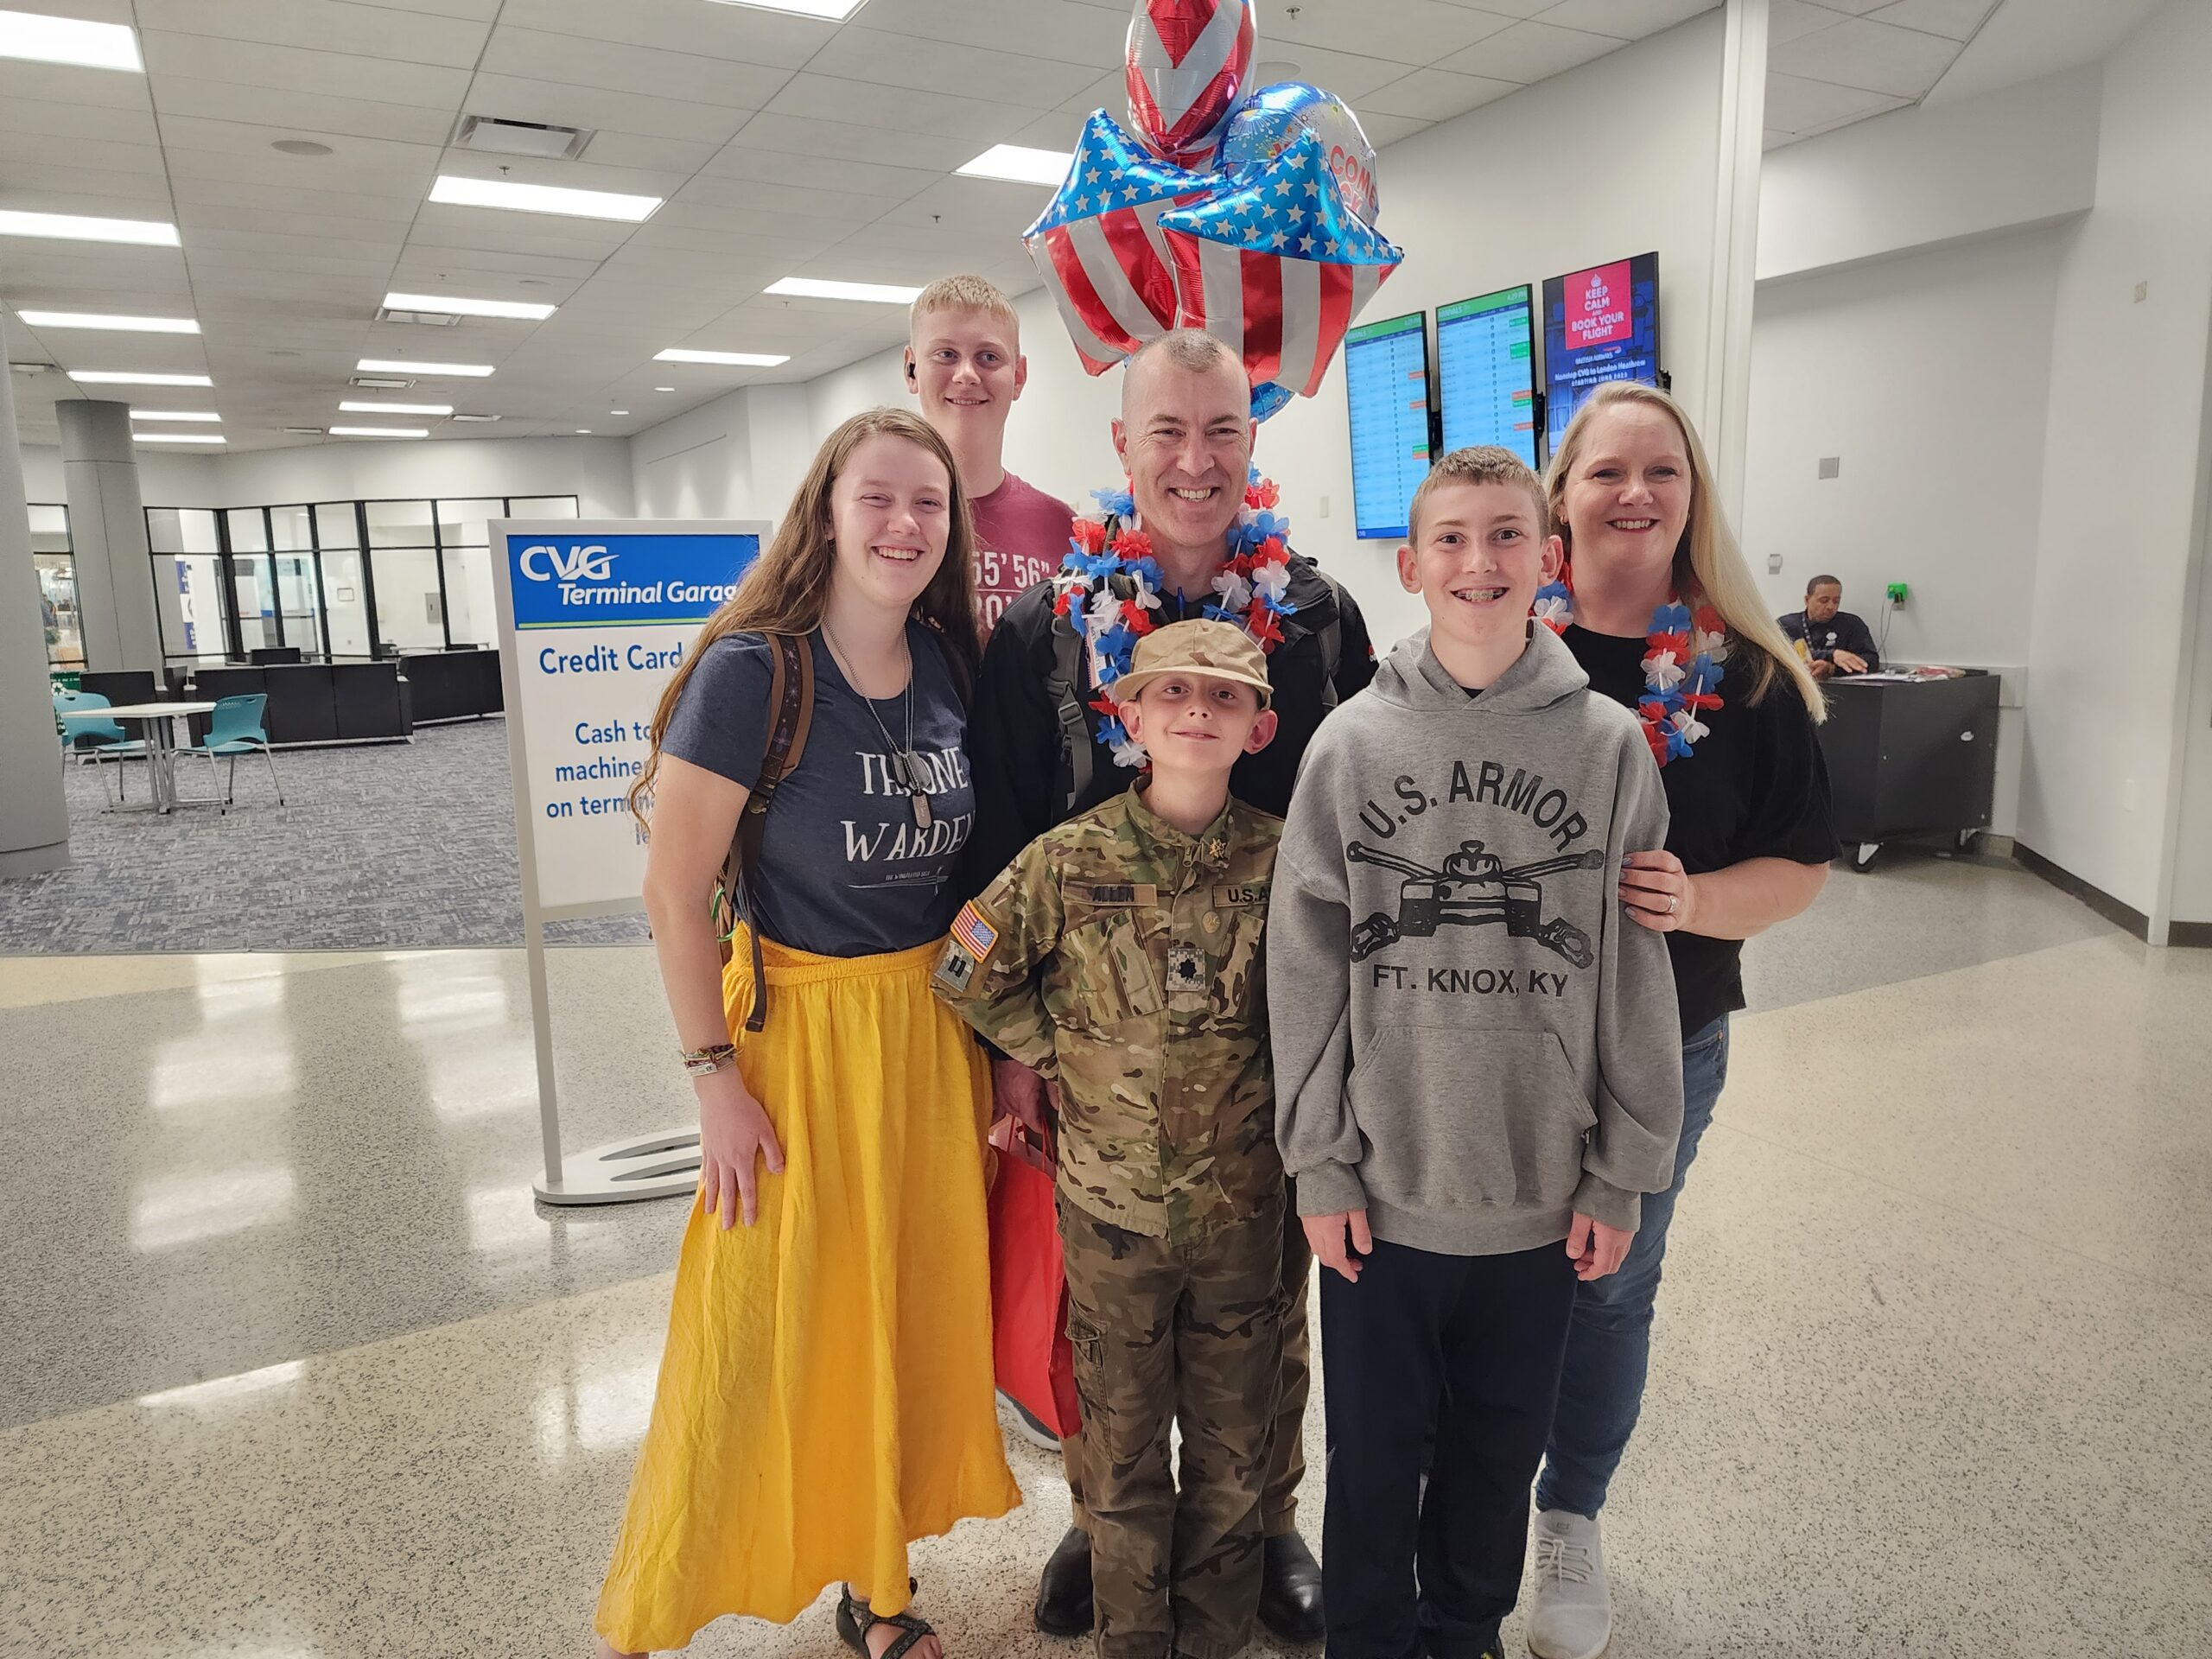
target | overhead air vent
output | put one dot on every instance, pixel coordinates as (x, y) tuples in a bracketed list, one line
[(478, 417), (379, 383), (427, 318), (304, 431), (534, 138)]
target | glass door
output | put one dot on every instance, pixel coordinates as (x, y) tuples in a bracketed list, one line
[(344, 583)]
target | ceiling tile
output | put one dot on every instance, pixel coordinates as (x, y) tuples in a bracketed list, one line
[(423, 254), (842, 142), (1052, 129), (405, 172), (911, 110), (370, 31), (51, 120), (1435, 95), (755, 194), (616, 66), (1874, 57), (280, 202), (1627, 20), (89, 189), (886, 60), (24, 154), (808, 170), (1956, 19), (1060, 30), (743, 34), (207, 57), (1350, 75), (56, 83), (1792, 19), (266, 106), (680, 156), (514, 99), (1382, 130), (215, 266), (1799, 105), (1530, 52), (1416, 32), (442, 225), (279, 242), (318, 229), (214, 136)]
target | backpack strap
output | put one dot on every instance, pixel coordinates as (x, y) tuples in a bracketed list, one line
[(1065, 685), (1332, 650), (791, 696)]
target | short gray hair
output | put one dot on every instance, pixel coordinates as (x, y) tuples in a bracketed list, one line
[(1192, 350)]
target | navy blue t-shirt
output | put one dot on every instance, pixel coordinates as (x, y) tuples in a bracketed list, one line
[(845, 869)]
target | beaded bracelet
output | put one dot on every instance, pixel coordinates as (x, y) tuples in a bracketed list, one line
[(705, 1062)]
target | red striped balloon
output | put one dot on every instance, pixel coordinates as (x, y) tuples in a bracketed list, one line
[(1189, 62)]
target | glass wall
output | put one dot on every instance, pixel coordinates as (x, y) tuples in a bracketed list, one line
[(54, 557), (338, 579)]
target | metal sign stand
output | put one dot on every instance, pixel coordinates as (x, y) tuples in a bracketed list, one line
[(660, 1165)]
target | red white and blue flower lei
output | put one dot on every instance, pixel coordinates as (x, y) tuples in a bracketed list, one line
[(1108, 589), (1681, 665)]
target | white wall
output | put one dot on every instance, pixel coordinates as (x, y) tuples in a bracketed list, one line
[(1477, 202), (166, 479), (2120, 522), (1927, 377), (1922, 175)]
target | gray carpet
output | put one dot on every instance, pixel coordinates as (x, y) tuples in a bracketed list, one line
[(391, 846)]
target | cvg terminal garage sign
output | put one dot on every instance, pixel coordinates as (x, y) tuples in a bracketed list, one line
[(595, 617)]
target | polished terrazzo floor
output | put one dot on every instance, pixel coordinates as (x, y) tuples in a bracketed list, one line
[(293, 1367)]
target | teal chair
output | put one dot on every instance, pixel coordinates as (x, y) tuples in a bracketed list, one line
[(234, 727), (101, 740)]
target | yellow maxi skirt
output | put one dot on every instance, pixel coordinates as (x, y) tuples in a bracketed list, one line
[(826, 1396)]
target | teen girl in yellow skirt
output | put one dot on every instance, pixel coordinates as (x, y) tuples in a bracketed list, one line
[(826, 1395)]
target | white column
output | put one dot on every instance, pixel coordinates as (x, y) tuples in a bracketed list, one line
[(33, 816), (107, 533), (1727, 377)]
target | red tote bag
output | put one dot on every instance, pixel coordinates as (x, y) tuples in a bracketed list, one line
[(1029, 1282)]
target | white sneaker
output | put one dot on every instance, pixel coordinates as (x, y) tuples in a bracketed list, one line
[(1571, 1614)]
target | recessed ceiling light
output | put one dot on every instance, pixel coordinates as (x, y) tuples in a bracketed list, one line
[(379, 431), (480, 418), (301, 147), (96, 320), (303, 431), (467, 307), (583, 431), (69, 39), (177, 437), (455, 191), (816, 288), (76, 227), (124, 378), (837, 9), (1020, 164), (383, 365), (664, 388), (740, 359), (618, 411), (395, 409), (174, 415)]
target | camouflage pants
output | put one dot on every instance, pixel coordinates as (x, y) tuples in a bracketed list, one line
[(1287, 1449), (1186, 1334)]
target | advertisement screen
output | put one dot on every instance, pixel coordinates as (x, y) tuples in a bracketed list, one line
[(1486, 371), (1386, 377), (1600, 324)]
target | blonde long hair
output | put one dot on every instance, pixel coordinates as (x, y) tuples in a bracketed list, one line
[(788, 587), (1708, 560)]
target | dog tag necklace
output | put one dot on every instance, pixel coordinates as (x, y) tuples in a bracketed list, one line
[(906, 765)]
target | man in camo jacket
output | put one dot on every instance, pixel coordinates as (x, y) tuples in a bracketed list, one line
[(1122, 957)]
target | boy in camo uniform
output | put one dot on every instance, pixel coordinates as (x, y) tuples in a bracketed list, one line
[(1121, 955)]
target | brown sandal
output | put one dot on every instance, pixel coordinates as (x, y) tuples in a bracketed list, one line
[(855, 1618)]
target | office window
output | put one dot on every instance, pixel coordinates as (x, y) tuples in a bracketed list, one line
[(191, 596), (53, 556), (472, 612)]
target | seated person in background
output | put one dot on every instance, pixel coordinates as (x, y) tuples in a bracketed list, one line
[(1832, 640)]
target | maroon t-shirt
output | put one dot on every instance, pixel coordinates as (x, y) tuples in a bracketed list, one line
[(1021, 536)]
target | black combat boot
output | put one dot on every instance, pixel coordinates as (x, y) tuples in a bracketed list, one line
[(1290, 1590), (1064, 1594)]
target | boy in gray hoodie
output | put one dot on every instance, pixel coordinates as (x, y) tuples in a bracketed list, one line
[(1476, 1059)]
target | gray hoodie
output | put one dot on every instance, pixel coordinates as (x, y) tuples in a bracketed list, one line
[(1472, 1041)]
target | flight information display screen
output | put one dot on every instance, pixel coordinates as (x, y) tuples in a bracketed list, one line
[(1486, 371), (1600, 324), (1386, 376)]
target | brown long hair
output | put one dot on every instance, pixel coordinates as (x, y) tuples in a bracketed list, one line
[(788, 587), (1708, 560)]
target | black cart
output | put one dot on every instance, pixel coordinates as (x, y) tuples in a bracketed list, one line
[(1911, 758)]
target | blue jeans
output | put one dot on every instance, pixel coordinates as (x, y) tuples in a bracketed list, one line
[(1609, 1341)]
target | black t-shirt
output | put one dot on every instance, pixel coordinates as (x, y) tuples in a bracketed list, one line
[(1755, 786)]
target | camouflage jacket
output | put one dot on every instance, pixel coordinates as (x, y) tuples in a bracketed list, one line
[(1123, 958)]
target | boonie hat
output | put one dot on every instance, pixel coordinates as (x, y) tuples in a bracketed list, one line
[(1220, 650)]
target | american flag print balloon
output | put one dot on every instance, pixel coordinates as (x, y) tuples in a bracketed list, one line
[(1098, 245), (1264, 124), (1275, 264), (1189, 61)]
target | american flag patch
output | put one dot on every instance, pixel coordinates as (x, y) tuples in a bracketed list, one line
[(973, 933)]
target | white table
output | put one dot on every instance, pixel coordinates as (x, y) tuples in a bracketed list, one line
[(154, 721)]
